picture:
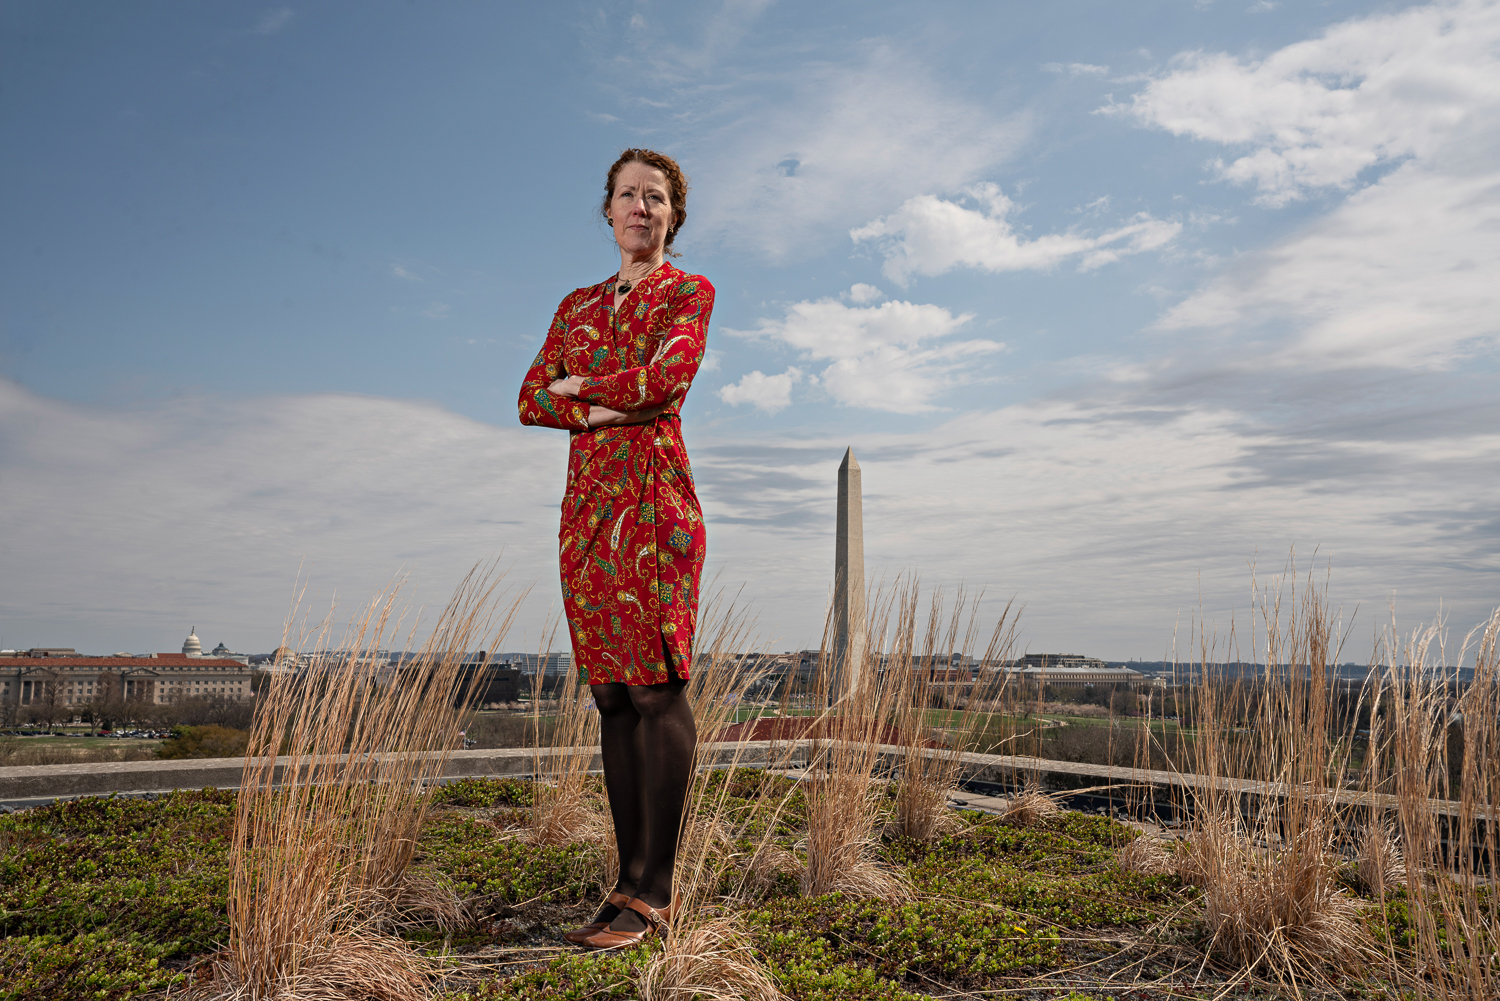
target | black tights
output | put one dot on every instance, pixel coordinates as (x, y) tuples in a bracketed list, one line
[(647, 737)]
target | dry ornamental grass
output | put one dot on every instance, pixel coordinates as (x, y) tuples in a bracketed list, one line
[(324, 837), (1274, 898), (1030, 806), (923, 694), (709, 960)]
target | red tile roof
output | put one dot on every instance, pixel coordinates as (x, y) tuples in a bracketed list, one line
[(160, 660), (794, 728)]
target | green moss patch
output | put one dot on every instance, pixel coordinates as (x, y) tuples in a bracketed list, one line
[(152, 870), (574, 977), (482, 793), (484, 861), (946, 940), (112, 898), (95, 966)]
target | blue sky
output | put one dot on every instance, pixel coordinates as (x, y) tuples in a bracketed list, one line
[(1112, 300)]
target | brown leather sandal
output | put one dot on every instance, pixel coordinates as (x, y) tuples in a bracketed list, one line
[(578, 935), (657, 922)]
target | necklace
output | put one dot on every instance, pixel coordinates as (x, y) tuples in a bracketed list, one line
[(626, 284)]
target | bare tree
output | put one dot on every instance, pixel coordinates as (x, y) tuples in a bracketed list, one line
[(109, 700), (46, 706)]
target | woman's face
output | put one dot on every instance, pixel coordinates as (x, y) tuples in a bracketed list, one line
[(641, 208)]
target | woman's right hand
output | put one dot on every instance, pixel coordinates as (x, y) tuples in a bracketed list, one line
[(604, 417)]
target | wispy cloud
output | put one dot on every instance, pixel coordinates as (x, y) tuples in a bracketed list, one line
[(1405, 271), (1076, 69), (1133, 505), (204, 509), (1150, 497), (273, 21), (846, 142), (930, 235), (1317, 114), (895, 356), (790, 141), (716, 32)]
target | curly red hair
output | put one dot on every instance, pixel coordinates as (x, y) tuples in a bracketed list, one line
[(677, 184)]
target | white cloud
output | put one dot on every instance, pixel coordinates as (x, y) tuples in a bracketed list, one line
[(1405, 273), (1317, 113), (1112, 519), (719, 31), (1076, 69), (930, 235), (273, 21), (121, 527), (402, 271), (200, 511), (849, 142), (887, 357), (861, 294), (771, 393), (437, 311)]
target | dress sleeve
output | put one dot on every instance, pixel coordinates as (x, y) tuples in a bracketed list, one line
[(668, 378), (539, 407)]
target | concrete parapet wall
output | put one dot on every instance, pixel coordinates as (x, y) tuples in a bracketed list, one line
[(33, 785), (39, 783)]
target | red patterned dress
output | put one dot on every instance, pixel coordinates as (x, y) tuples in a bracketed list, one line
[(631, 544)]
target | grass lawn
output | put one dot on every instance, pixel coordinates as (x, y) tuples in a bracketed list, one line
[(110, 899), (78, 742), (946, 719), (75, 747)]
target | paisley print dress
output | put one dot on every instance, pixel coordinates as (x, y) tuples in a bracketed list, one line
[(631, 544)]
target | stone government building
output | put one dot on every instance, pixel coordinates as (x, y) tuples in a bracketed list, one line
[(957, 672), (62, 679), (1071, 669)]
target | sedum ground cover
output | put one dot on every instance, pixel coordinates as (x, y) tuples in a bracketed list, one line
[(124, 898)]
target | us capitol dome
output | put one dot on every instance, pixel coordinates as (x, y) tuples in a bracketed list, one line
[(193, 647)]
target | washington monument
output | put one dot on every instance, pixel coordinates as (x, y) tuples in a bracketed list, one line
[(849, 584)]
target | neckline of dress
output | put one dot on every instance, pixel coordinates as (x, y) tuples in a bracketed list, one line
[(611, 283)]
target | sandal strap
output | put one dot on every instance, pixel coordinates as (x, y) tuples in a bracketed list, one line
[(618, 899), (655, 918)]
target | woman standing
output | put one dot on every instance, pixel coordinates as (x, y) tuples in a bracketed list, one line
[(618, 360)]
